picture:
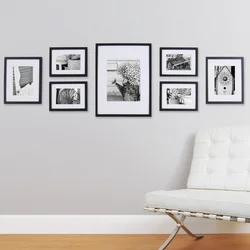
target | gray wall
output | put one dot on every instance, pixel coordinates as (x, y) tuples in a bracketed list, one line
[(74, 163)]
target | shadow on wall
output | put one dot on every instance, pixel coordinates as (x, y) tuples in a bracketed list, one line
[(183, 167)]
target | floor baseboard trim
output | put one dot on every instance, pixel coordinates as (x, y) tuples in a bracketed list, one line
[(111, 224)]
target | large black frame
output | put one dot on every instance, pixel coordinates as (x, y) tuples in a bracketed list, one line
[(68, 48), (150, 80), (40, 59), (179, 48), (242, 77), (174, 82), (68, 83)]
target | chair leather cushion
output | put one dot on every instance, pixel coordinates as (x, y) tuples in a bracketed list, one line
[(221, 159), (220, 202)]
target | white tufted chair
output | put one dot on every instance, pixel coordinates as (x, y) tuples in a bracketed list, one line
[(218, 183)]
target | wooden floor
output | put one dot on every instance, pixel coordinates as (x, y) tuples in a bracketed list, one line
[(121, 242)]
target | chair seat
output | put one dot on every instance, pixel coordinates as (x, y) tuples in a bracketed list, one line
[(220, 202)]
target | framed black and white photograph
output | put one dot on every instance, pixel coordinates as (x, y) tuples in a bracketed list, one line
[(68, 96), (123, 79), (68, 61), (178, 96), (23, 80), (224, 80), (178, 61)]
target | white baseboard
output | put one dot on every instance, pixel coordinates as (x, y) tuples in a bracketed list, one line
[(110, 224)]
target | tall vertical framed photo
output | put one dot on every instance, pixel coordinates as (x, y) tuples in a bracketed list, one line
[(178, 96), (66, 61), (224, 80), (176, 61), (123, 79), (68, 96), (23, 80)]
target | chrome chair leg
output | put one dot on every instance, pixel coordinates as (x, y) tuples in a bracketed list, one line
[(179, 225)]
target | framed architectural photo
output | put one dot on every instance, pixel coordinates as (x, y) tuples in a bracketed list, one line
[(224, 80), (23, 80), (178, 96), (178, 61), (68, 96), (123, 79), (68, 61)]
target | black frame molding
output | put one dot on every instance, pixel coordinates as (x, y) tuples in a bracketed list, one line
[(179, 48), (40, 59), (181, 82), (242, 77), (68, 83), (68, 48), (150, 80)]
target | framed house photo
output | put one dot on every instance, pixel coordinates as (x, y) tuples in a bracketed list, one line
[(224, 80), (23, 80), (123, 79), (178, 61), (68, 61), (178, 96), (68, 96)]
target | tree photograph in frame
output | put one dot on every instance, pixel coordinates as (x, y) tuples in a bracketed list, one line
[(178, 61), (68, 61), (68, 96), (178, 96), (123, 79), (23, 80), (224, 80)]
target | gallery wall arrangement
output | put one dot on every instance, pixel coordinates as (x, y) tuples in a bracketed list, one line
[(123, 79)]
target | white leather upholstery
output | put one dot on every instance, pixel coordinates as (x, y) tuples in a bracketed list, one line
[(221, 159), (231, 203)]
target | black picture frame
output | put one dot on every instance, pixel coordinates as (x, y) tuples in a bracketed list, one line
[(69, 83), (85, 74), (178, 83), (149, 112), (242, 80), (40, 60), (179, 48)]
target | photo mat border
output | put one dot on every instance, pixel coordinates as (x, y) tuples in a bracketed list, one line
[(40, 59), (179, 82)]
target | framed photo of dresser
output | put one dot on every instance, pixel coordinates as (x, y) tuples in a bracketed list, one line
[(68, 61)]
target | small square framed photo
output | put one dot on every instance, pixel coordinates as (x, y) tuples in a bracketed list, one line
[(68, 61), (23, 80), (123, 79), (178, 61), (178, 96), (224, 80), (68, 96)]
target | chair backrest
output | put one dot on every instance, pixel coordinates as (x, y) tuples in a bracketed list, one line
[(221, 159)]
